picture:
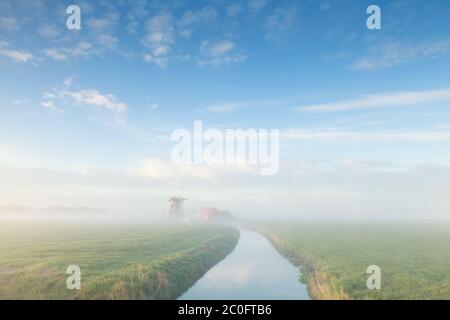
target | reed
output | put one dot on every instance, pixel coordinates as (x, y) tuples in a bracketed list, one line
[(321, 285)]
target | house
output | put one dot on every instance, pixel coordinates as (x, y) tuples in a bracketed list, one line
[(214, 214)]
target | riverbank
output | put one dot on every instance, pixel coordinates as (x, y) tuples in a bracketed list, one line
[(255, 270), (129, 262), (320, 284), (334, 257)]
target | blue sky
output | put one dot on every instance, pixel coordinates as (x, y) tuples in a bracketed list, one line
[(88, 113)]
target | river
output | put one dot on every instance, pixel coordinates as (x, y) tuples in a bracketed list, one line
[(254, 270)]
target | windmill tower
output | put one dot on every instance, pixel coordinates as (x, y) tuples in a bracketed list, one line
[(175, 208)]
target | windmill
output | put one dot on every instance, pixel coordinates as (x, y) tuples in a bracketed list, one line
[(175, 208)]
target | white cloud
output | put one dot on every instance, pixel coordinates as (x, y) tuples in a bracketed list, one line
[(107, 22), (204, 15), (234, 9), (90, 97), (218, 48), (159, 38), (68, 81), (94, 98), (279, 22), (395, 53), (353, 136), (132, 25), (228, 107), (218, 53), (83, 49), (48, 95), (50, 104), (159, 169), (256, 5), (186, 33), (48, 31), (384, 100), (98, 39), (107, 41), (56, 54), (16, 55), (9, 24), (153, 106), (136, 12), (20, 101), (159, 61)]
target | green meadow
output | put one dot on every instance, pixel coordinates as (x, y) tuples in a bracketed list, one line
[(414, 259), (116, 262)]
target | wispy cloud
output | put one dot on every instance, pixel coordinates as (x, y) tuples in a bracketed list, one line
[(234, 9), (88, 97), (20, 101), (384, 100), (219, 53), (165, 171), (158, 28), (50, 104), (153, 107), (354, 136), (94, 98), (9, 24), (159, 38), (195, 17), (255, 6), (68, 81), (48, 31), (280, 21), (396, 53), (15, 55), (107, 41), (83, 49), (98, 36), (228, 107), (107, 22)]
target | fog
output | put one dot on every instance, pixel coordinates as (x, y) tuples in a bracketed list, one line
[(339, 192)]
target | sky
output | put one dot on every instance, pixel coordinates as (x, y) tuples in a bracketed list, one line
[(86, 115)]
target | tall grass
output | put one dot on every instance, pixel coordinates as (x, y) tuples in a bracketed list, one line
[(321, 286), (414, 259), (134, 262), (320, 283)]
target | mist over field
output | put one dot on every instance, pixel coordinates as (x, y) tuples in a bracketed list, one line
[(342, 191), (258, 149)]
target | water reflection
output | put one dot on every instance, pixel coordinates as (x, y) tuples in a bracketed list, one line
[(254, 270)]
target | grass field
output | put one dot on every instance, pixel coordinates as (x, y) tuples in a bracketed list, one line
[(414, 259), (145, 262)]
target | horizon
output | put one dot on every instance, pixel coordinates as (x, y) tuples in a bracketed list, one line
[(87, 116)]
